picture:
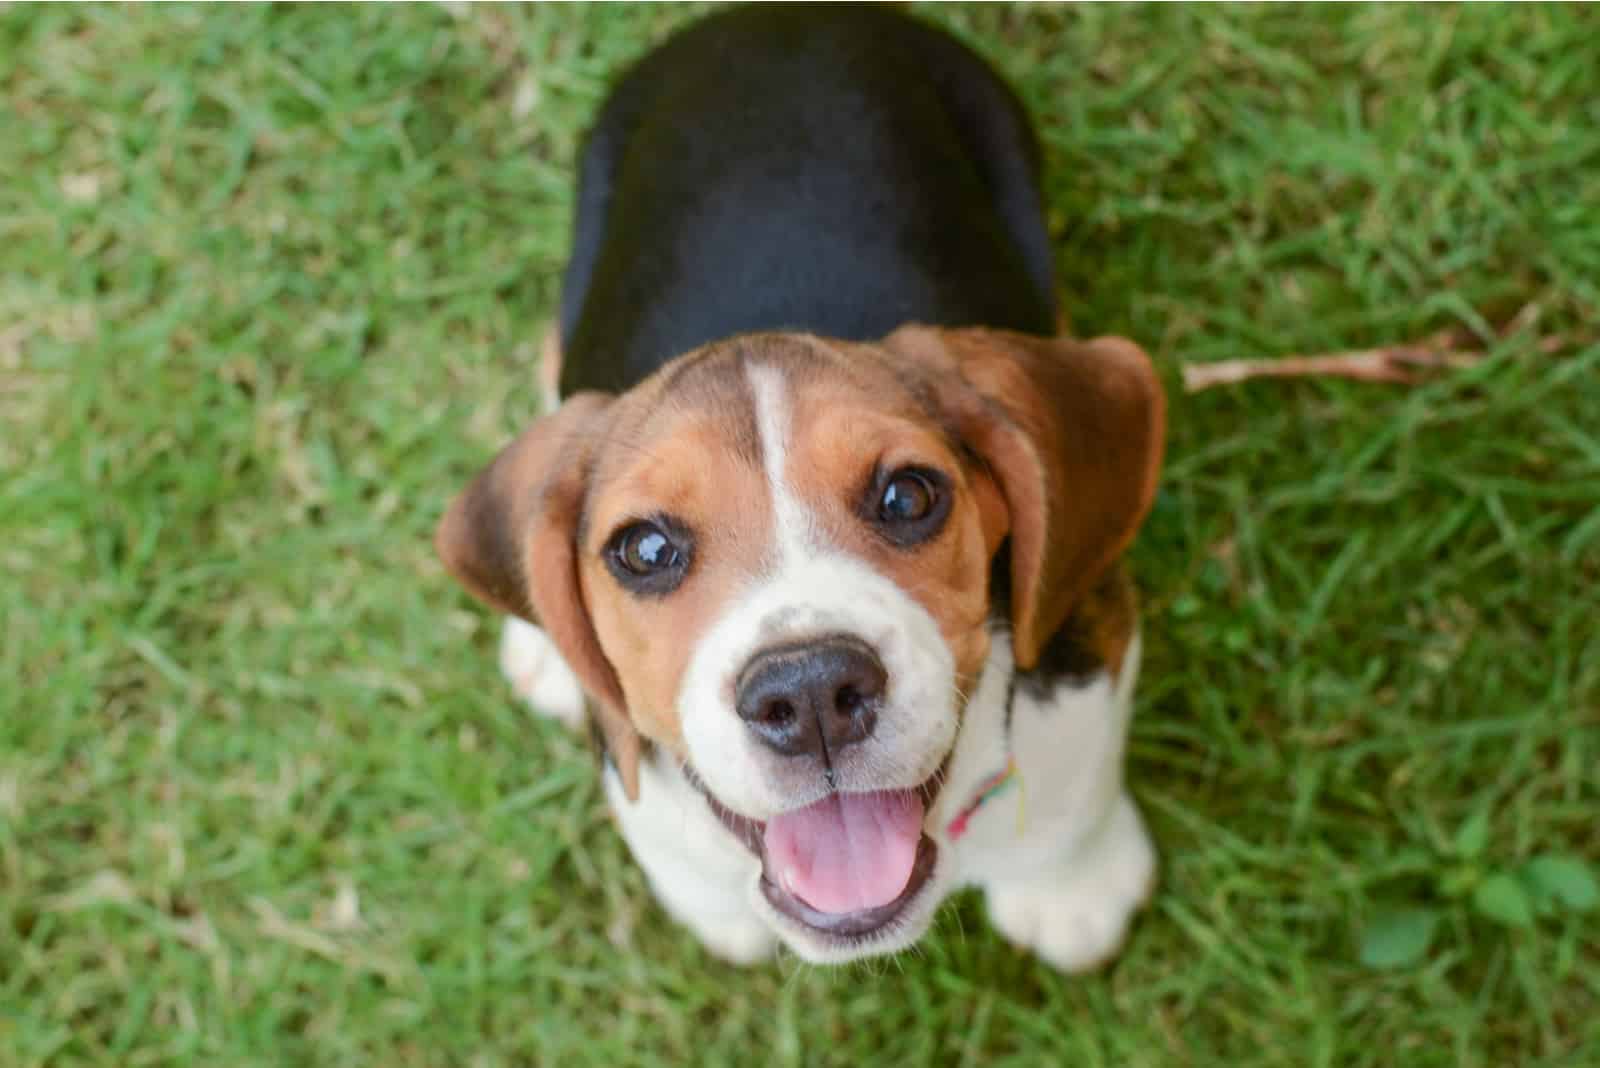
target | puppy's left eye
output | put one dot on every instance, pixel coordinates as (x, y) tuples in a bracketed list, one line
[(649, 557), (907, 498), (909, 505)]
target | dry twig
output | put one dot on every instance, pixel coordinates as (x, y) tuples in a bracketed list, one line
[(1404, 364)]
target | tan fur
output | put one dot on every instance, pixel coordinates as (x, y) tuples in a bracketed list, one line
[(550, 364), (1106, 619), (689, 470)]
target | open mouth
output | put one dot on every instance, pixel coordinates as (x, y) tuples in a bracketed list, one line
[(846, 865)]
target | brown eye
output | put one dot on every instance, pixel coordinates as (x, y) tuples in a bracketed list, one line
[(907, 498), (908, 505), (649, 557), (645, 549)]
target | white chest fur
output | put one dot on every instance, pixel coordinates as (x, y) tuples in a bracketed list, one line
[(1063, 750)]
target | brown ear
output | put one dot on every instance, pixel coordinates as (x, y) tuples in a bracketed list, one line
[(1073, 432), (511, 539)]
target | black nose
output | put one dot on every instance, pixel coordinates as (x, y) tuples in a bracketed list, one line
[(814, 698)]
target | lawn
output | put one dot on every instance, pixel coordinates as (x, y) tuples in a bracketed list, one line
[(271, 286)]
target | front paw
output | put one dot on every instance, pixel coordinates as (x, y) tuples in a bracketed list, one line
[(533, 665), (1076, 917)]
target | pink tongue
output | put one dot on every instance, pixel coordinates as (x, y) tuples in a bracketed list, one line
[(847, 852)]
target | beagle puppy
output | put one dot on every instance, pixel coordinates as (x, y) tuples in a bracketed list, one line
[(825, 534)]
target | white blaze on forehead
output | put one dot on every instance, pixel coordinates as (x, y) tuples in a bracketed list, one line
[(810, 588), (795, 532)]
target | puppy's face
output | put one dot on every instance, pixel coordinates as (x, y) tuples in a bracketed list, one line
[(773, 561)]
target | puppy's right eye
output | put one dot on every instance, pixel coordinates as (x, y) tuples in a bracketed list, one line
[(649, 557)]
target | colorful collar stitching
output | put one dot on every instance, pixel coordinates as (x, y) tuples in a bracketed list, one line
[(992, 787)]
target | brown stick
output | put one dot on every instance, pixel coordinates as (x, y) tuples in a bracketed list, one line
[(1402, 364)]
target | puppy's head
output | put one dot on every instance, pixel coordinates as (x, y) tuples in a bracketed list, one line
[(773, 558)]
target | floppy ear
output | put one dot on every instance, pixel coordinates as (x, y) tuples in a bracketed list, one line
[(511, 539), (1073, 433)]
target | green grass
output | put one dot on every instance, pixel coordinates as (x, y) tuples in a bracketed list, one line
[(271, 282)]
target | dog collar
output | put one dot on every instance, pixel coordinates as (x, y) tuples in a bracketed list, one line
[(991, 787)]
